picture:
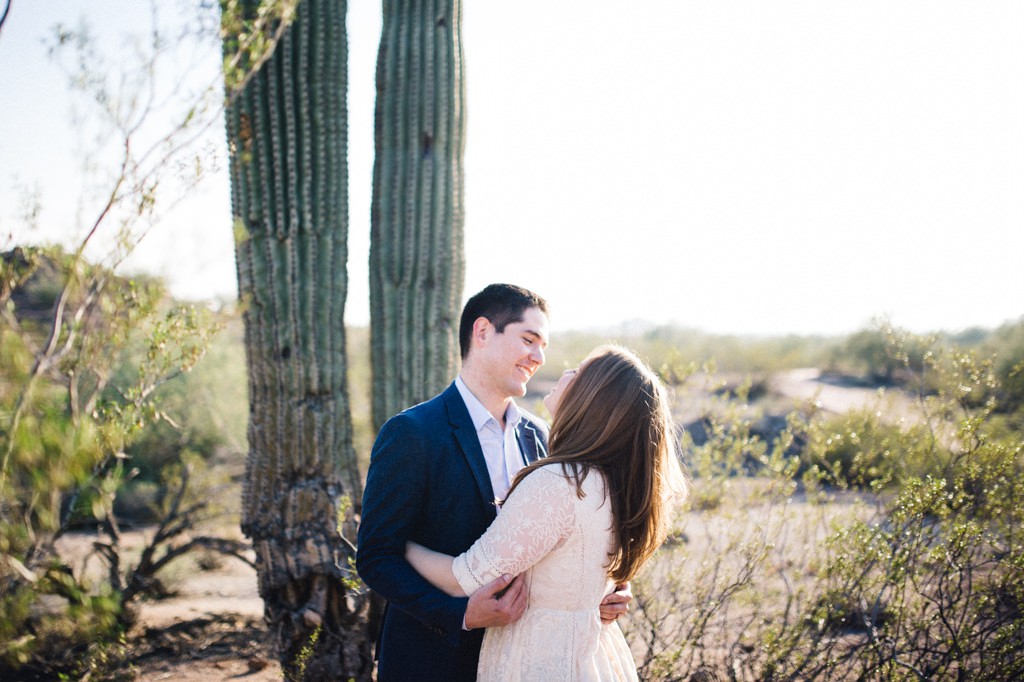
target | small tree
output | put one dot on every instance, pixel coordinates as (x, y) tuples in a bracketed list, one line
[(66, 414)]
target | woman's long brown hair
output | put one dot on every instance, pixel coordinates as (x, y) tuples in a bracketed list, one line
[(614, 417)]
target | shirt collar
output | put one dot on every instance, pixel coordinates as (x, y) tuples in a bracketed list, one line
[(479, 414)]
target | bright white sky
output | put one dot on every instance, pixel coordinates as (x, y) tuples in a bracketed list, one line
[(758, 166)]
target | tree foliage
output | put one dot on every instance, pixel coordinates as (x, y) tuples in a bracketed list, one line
[(84, 355), (65, 424)]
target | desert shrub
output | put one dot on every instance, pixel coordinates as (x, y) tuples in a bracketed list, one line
[(68, 417), (867, 354), (928, 568), (726, 446), (66, 421), (878, 357), (947, 543), (858, 450), (1007, 345), (202, 416), (892, 552), (85, 356)]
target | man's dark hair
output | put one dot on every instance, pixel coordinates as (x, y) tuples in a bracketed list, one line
[(502, 305)]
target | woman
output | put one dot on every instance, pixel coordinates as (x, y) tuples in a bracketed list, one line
[(578, 522)]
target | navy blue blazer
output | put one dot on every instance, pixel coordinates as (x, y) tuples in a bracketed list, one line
[(428, 483)]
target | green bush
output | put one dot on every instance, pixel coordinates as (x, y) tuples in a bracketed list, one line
[(892, 552), (67, 416), (859, 451), (1007, 344)]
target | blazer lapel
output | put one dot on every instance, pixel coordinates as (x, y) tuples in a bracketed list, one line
[(469, 443), (530, 442)]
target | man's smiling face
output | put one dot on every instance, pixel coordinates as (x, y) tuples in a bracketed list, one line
[(512, 356)]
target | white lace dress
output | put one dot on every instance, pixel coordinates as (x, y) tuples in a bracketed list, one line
[(562, 544)]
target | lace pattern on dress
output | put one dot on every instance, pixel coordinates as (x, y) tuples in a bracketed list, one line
[(533, 521), (561, 543)]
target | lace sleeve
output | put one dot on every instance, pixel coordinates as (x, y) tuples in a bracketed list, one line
[(532, 522)]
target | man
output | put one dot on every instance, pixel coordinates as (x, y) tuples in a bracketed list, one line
[(436, 471)]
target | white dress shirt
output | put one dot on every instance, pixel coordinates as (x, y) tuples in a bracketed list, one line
[(501, 448)]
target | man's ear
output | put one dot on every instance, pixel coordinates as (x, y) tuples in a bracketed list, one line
[(482, 330)]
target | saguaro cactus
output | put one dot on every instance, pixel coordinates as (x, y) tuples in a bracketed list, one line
[(287, 134), (417, 266)]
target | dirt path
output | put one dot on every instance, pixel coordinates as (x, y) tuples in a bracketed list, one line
[(809, 384)]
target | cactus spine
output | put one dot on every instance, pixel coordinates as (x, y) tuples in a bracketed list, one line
[(417, 266), (287, 135)]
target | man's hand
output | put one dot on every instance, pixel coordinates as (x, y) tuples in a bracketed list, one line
[(616, 603), (499, 602)]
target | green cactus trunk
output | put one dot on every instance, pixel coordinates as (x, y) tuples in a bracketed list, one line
[(287, 134), (417, 266)]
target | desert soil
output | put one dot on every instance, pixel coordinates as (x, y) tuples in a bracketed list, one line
[(809, 384), (211, 629)]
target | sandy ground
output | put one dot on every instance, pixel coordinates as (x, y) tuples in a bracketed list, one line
[(809, 384), (212, 629)]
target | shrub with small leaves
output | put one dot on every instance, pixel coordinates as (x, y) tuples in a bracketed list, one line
[(889, 549)]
